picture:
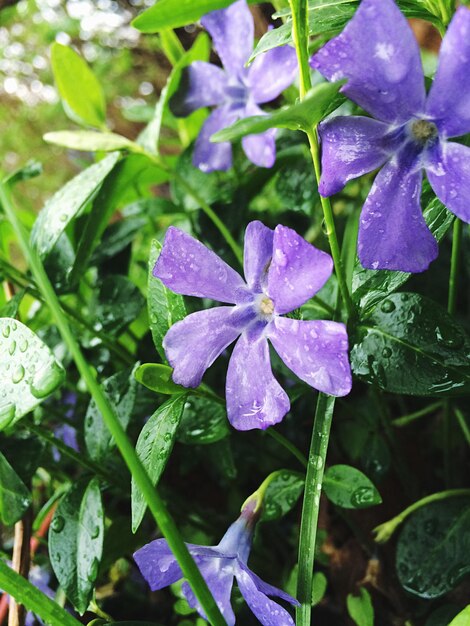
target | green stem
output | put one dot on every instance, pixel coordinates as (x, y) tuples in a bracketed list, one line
[(411, 417), (34, 600), (311, 505), (154, 502), (386, 530), (463, 424), (455, 266), (287, 445)]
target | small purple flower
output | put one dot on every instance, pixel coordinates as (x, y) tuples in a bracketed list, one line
[(282, 271), (379, 56), (236, 91), (219, 565), (65, 432)]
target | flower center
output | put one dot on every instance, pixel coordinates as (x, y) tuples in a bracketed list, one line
[(266, 306), (423, 131)]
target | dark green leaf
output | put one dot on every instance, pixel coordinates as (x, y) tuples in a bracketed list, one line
[(78, 87), (157, 377), (153, 448), (117, 304), (433, 550), (14, 496), (349, 488), (204, 421), (300, 116), (120, 390), (412, 345), (91, 141), (76, 541), (369, 287), (165, 307), (117, 237), (32, 169), (282, 494), (360, 608), (10, 309), (442, 616), (67, 203), (28, 370)]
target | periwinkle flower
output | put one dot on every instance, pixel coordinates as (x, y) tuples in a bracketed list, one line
[(235, 91), (282, 272), (408, 132), (219, 565)]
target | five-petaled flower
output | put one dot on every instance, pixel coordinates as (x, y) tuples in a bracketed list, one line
[(236, 91), (379, 56), (219, 565), (282, 272)]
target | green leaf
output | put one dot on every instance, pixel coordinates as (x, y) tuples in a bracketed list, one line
[(91, 141), (442, 616), (14, 496), (165, 307), (78, 87), (32, 169), (282, 494), (204, 421), (370, 287), (433, 550), (411, 345), (28, 370), (10, 309), (319, 585), (34, 600), (349, 488), (67, 203), (300, 116), (120, 390), (76, 541), (117, 303), (157, 377), (360, 608), (117, 237), (176, 13), (154, 447), (463, 618)]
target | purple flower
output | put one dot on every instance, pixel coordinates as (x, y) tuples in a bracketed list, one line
[(65, 432), (219, 565), (379, 56), (236, 91), (282, 271)]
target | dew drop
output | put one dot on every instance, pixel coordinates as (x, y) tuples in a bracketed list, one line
[(95, 533), (362, 497), (58, 524), (12, 348), (18, 374), (387, 306), (387, 352), (45, 382)]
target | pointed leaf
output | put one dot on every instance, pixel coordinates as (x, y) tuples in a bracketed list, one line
[(14, 496), (282, 494), (157, 377), (360, 608), (349, 488), (91, 141)]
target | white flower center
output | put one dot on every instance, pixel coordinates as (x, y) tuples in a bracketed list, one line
[(422, 130)]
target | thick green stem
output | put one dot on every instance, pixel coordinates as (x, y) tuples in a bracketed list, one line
[(154, 502), (311, 505)]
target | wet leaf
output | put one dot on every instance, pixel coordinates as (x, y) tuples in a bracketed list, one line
[(29, 371), (76, 541), (157, 377), (282, 495), (153, 448), (117, 304), (349, 488), (204, 421), (14, 496)]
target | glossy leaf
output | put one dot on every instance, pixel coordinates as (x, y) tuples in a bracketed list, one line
[(14, 496), (282, 494), (67, 203), (117, 303), (28, 370), (349, 488), (165, 307), (157, 377), (360, 608), (120, 390), (117, 237), (370, 287), (154, 447), (433, 550), (76, 541), (300, 116), (463, 618), (78, 87), (204, 421), (10, 308), (411, 345), (90, 141)]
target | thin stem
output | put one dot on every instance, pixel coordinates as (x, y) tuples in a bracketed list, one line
[(154, 502), (311, 505), (463, 424), (411, 417), (455, 266), (300, 36), (287, 445)]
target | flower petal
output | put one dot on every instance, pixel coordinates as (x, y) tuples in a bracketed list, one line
[(202, 85), (266, 588), (351, 147), (258, 252), (449, 174), (449, 98), (157, 564), (268, 612), (218, 574), (316, 351), (211, 157), (378, 54), (188, 267), (254, 397), (192, 345), (271, 73), (298, 270), (232, 31), (392, 232)]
